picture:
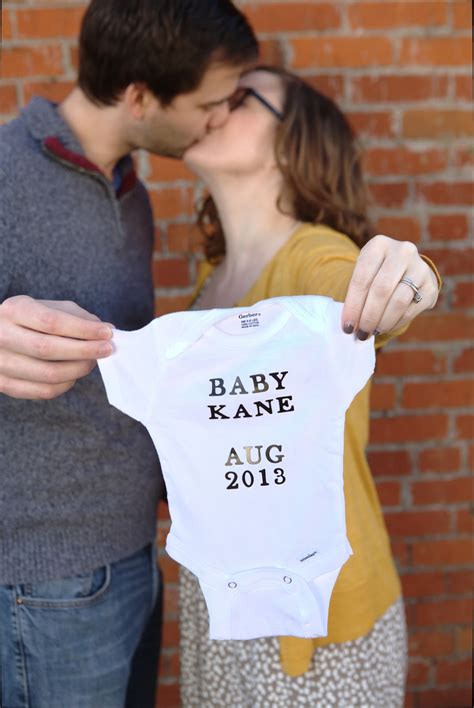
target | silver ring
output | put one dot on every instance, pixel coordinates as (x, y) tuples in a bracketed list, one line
[(417, 297)]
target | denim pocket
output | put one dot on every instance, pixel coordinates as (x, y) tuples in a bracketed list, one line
[(76, 591)]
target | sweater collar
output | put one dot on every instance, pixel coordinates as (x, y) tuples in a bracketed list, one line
[(46, 124)]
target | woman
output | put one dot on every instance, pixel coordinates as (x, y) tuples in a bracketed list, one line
[(287, 216)]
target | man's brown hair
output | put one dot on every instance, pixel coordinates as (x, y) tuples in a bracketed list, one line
[(165, 44)]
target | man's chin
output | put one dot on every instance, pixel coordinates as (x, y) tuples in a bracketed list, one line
[(177, 152), (172, 153)]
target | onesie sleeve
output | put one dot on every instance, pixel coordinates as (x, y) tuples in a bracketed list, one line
[(353, 360), (130, 372)]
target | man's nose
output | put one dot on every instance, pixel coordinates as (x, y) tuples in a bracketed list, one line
[(219, 116)]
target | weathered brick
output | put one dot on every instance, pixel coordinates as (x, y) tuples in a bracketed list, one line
[(465, 361), (171, 272), (168, 695), (341, 52), (430, 643), (184, 238), (170, 568), (445, 698), (442, 552), (170, 633), (439, 326), (396, 88), (170, 601), (437, 123), (447, 394), (418, 673), (401, 161), (166, 169), (453, 672), (8, 99), (440, 459), (462, 15), (404, 228), (389, 493), (463, 156), (465, 426), (371, 16), (7, 29), (442, 491), (448, 227), (293, 16), (463, 639), (330, 84), (464, 521), (460, 582), (171, 303), (52, 90), (382, 396), (435, 51), (273, 51), (44, 60), (50, 22), (405, 363), (417, 523), (443, 612), (171, 203), (373, 124), (389, 194), (169, 664), (452, 261), (463, 295), (384, 463), (408, 428), (463, 87)]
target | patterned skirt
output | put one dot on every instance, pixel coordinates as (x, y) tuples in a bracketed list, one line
[(370, 671)]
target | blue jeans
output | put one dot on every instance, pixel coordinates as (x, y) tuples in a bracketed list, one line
[(89, 641)]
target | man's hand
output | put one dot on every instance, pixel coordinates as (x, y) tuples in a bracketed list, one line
[(376, 300), (45, 346)]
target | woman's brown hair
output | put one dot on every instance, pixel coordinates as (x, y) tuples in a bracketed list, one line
[(316, 152)]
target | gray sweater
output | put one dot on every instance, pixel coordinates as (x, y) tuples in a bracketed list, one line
[(79, 481)]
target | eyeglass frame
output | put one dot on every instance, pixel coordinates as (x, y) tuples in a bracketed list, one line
[(249, 91)]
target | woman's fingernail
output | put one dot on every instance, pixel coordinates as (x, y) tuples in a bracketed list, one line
[(362, 335), (348, 328)]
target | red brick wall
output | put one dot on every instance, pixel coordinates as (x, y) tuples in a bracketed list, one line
[(402, 71)]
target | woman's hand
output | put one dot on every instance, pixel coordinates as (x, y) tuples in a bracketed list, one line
[(377, 300)]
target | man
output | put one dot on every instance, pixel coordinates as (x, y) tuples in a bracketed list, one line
[(79, 482)]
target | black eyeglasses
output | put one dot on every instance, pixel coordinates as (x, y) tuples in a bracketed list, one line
[(241, 94)]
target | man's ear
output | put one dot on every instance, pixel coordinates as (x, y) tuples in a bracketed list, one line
[(137, 98)]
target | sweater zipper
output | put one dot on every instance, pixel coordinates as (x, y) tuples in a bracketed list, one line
[(114, 202)]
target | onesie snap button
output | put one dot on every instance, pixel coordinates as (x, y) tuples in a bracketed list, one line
[(287, 579), (232, 585)]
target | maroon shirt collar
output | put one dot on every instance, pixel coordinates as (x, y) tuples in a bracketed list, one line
[(54, 146)]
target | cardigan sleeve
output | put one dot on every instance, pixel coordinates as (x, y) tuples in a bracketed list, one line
[(327, 270)]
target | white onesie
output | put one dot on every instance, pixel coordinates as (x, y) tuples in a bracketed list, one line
[(246, 408)]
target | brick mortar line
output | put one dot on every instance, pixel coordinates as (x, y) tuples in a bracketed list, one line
[(282, 37), (390, 414)]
